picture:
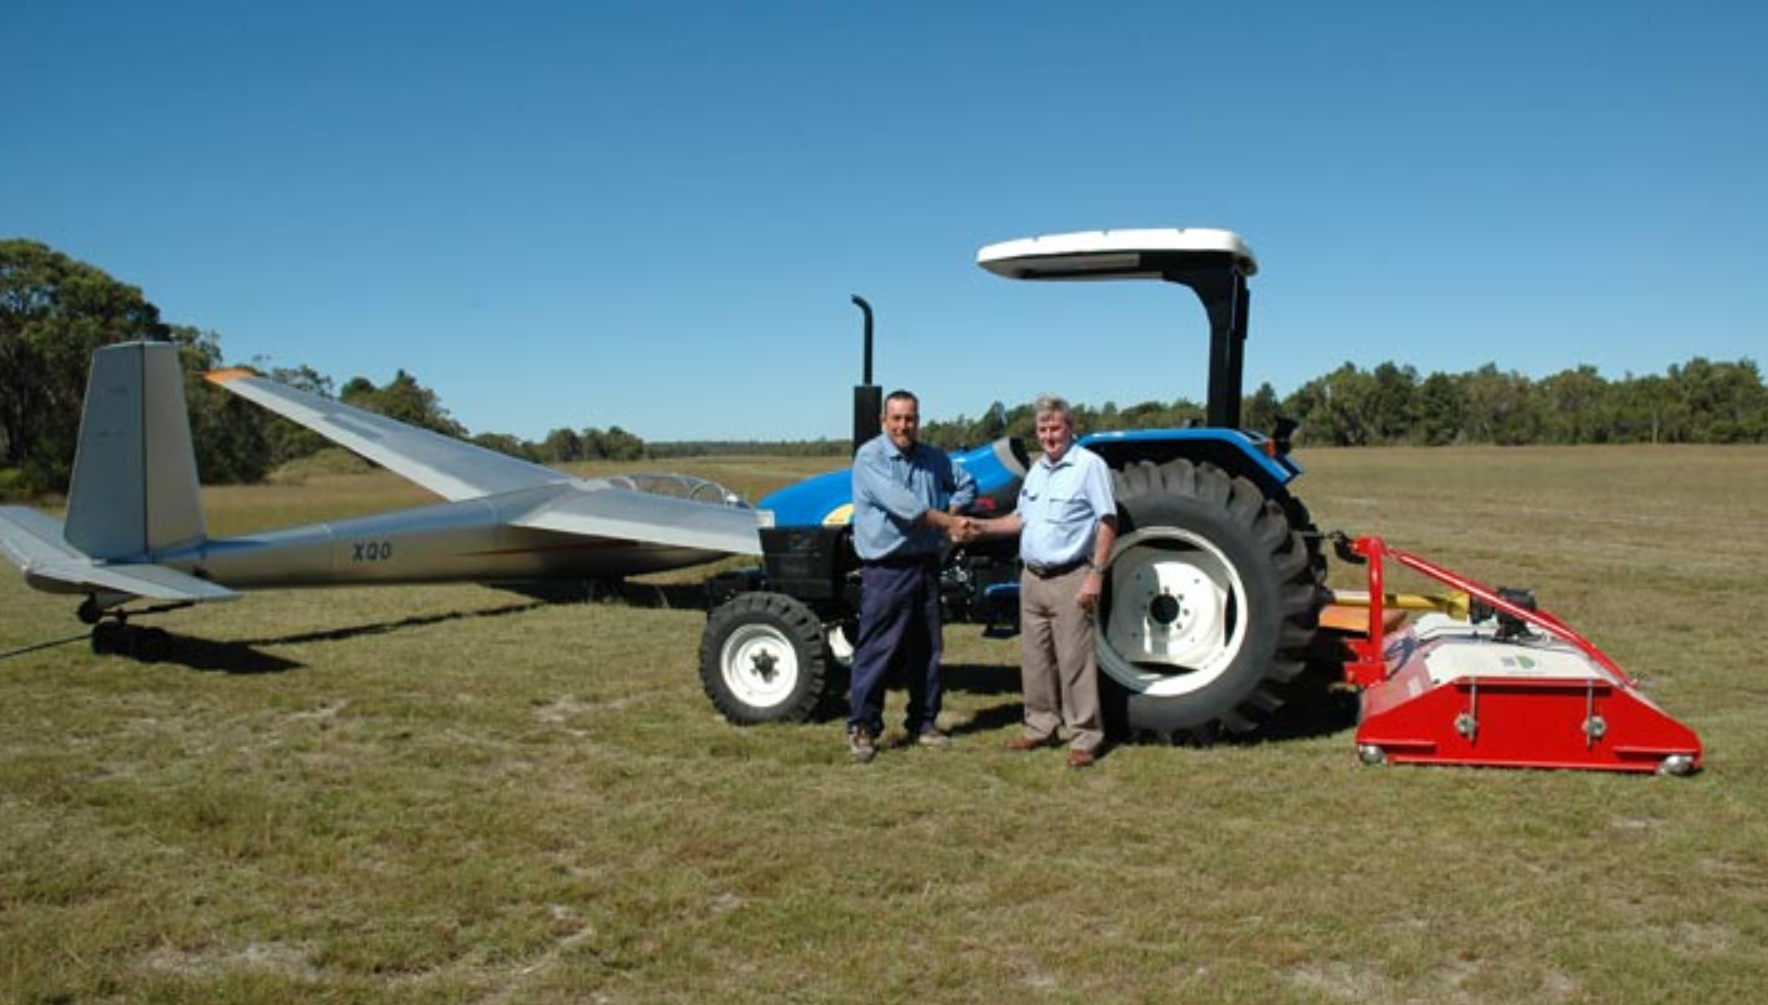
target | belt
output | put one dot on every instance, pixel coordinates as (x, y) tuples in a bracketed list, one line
[(1042, 571)]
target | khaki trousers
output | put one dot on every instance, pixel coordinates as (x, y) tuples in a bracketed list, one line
[(1058, 668)]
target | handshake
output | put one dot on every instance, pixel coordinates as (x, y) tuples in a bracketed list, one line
[(965, 529)]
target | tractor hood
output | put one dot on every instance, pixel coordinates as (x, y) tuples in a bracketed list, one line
[(998, 468)]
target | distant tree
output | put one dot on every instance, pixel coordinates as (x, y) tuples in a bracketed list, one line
[(1575, 406), (614, 445), (54, 311), (1654, 412), (229, 435), (1260, 411), (619, 445), (1145, 415), (1085, 417), (303, 378), (1723, 402), (504, 443), (1021, 423), (1306, 405), (404, 399), (286, 441), (1441, 411), (992, 426), (1500, 408), (1341, 407), (561, 446), (1393, 408), (949, 436)]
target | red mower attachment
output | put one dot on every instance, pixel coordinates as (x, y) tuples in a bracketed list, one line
[(1489, 679)]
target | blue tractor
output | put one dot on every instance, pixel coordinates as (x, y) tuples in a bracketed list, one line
[(1215, 585)]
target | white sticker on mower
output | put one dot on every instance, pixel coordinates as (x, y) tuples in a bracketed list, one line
[(1473, 655)]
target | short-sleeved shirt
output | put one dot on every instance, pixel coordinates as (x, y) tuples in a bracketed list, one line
[(1061, 505), (893, 489)]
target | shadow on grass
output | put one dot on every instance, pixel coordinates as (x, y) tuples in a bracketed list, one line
[(968, 678), (1313, 710), (622, 593), (182, 650), (384, 627), (244, 657), (225, 657), (991, 718)]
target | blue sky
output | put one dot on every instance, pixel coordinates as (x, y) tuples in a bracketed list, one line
[(652, 214)]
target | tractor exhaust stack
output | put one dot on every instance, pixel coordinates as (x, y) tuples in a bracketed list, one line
[(868, 398)]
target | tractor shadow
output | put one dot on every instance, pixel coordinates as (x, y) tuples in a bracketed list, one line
[(967, 678), (1314, 706), (1314, 709), (1317, 703), (988, 680), (1311, 709)]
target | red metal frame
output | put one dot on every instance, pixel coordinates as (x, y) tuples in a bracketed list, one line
[(1599, 720)]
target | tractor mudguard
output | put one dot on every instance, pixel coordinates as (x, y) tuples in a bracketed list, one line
[(1248, 455)]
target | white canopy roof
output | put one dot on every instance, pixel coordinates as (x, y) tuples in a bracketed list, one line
[(1111, 254)]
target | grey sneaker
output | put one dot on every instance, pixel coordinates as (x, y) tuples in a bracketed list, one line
[(933, 738), (860, 745)]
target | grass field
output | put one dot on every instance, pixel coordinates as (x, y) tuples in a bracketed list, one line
[(455, 794)]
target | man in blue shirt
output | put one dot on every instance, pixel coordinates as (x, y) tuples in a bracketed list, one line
[(906, 495), (1066, 520)]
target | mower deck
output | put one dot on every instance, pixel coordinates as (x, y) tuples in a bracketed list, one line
[(1520, 689)]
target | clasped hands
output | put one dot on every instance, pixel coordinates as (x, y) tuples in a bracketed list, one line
[(965, 529)]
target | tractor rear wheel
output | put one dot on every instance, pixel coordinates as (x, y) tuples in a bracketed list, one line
[(1213, 599), (764, 658)]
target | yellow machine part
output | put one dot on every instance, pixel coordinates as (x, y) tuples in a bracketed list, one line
[(1348, 611)]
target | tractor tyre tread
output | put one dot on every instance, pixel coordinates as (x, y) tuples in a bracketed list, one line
[(1281, 570), (797, 626)]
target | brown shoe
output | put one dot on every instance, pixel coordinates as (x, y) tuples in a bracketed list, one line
[(1081, 758), (860, 745), (933, 738), (1023, 742)]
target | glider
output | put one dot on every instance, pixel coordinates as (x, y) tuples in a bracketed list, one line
[(135, 528)]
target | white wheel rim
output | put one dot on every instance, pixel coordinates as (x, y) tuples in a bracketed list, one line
[(759, 665), (1178, 613)]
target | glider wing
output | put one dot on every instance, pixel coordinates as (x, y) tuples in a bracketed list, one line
[(451, 468)]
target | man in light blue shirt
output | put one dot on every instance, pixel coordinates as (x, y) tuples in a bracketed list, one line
[(1066, 520), (905, 498)]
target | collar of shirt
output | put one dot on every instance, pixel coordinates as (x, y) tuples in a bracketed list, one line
[(1066, 460), (905, 458)]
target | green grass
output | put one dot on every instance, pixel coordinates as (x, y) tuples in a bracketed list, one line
[(454, 794)]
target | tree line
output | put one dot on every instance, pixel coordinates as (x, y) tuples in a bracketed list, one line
[(55, 311), (1701, 401)]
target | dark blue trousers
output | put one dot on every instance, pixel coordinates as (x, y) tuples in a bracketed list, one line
[(898, 630)]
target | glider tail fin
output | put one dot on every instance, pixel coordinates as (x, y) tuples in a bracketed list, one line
[(134, 490)]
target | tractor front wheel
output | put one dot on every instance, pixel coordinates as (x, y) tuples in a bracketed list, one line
[(1213, 599), (764, 658)]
